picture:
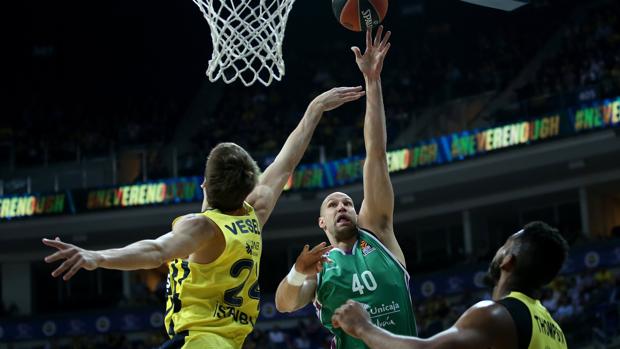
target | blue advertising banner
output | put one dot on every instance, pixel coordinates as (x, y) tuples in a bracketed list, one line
[(436, 151), (81, 325), (423, 287), (151, 319)]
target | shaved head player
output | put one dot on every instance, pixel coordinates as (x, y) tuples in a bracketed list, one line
[(366, 262)]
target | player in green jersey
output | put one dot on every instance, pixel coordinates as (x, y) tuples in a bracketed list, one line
[(366, 262), (530, 259)]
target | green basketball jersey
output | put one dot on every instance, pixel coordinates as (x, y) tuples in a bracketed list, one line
[(371, 275)]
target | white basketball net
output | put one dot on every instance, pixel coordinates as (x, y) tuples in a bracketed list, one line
[(247, 39)]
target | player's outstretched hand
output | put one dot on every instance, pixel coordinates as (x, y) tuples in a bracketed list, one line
[(371, 62), (352, 318), (310, 261), (337, 96), (74, 258)]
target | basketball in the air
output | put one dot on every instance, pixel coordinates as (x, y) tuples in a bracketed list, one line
[(357, 15)]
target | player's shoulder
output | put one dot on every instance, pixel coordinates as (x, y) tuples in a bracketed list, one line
[(487, 314), (486, 306), (192, 220), (490, 308), (489, 323)]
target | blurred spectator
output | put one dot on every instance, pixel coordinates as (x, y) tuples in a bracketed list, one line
[(584, 69), (277, 338)]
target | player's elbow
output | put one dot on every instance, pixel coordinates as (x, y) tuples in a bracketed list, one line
[(285, 175), (284, 305), (376, 151), (157, 255), (281, 305)]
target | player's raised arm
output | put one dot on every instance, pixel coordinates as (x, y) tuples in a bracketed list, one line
[(186, 237), (378, 205), (485, 325), (377, 211), (263, 198)]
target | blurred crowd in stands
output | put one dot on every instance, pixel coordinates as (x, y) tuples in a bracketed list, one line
[(447, 58), (591, 297), (447, 61), (586, 67), (51, 129)]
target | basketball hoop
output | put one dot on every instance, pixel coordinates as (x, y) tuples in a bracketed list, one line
[(247, 39)]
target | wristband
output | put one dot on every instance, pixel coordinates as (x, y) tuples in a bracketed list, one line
[(295, 278)]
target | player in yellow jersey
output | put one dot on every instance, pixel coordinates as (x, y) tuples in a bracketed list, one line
[(214, 256), (529, 259)]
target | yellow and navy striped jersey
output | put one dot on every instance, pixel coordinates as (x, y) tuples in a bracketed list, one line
[(222, 297)]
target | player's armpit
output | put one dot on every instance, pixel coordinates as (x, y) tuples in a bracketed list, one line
[(390, 242), (263, 200)]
